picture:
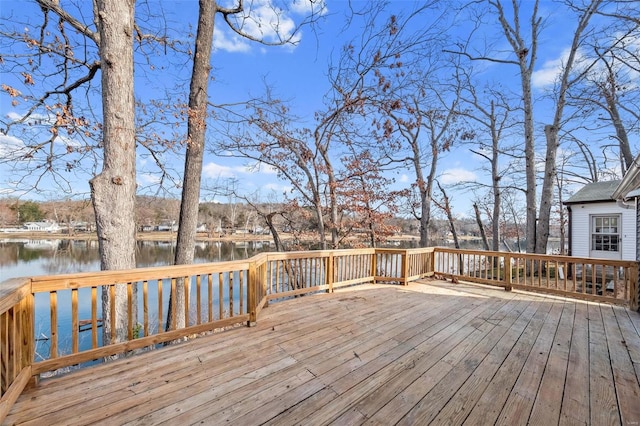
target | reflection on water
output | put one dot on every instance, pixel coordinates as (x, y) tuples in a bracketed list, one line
[(19, 258), (22, 258)]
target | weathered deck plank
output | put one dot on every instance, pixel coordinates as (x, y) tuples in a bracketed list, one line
[(427, 353)]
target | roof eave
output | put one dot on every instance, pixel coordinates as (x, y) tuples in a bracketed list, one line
[(630, 181)]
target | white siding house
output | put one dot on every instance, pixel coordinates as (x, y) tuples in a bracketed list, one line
[(41, 226), (599, 225)]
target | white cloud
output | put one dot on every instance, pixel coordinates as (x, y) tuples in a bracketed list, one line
[(11, 146), (34, 119), (265, 20), (213, 170), (259, 167), (233, 43), (551, 69), (66, 141), (148, 178), (404, 178), (457, 175), (307, 7), (275, 187)]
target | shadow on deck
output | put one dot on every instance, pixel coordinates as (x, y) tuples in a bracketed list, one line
[(428, 352)]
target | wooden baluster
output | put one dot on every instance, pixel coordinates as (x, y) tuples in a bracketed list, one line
[(252, 285), (198, 301), (210, 296), (130, 319), (230, 294), (112, 308), (53, 306), (160, 317), (186, 283), (173, 300), (220, 295), (94, 317), (145, 307), (241, 290), (75, 326), (329, 272)]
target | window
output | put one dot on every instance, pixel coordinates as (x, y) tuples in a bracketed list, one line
[(604, 233)]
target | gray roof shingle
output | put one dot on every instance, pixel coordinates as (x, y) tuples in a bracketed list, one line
[(593, 192)]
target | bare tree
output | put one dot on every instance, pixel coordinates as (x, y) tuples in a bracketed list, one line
[(567, 78), (491, 114), (525, 50), (483, 234), (445, 206), (243, 20)]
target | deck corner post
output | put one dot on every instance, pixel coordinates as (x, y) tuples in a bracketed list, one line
[(432, 262), (509, 272), (634, 290), (330, 272), (374, 265), (405, 268), (251, 294)]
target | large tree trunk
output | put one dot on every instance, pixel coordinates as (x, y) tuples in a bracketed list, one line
[(495, 180), (546, 197), (424, 216), (525, 50), (113, 190), (626, 160), (483, 235), (320, 220), (196, 129), (530, 156)]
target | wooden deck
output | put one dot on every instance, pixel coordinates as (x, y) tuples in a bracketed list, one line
[(431, 352)]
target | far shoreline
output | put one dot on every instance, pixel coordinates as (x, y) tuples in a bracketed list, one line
[(171, 236)]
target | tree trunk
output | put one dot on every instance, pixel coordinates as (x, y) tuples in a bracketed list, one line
[(495, 180), (542, 234), (483, 234), (530, 165), (113, 191), (447, 210), (320, 219), (424, 218), (196, 129), (621, 132), (268, 218)]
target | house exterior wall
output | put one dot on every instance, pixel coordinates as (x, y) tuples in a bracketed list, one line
[(581, 227)]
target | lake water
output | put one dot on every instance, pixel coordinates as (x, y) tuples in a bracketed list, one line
[(25, 258), (22, 258)]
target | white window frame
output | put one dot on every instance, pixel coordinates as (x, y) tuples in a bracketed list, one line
[(605, 234)]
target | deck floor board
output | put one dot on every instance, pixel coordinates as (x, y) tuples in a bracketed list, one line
[(429, 353)]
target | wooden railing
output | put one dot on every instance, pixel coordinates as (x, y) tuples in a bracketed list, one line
[(226, 294), (16, 341), (601, 280)]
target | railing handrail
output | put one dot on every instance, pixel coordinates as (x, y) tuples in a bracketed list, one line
[(13, 291), (535, 256), (292, 272)]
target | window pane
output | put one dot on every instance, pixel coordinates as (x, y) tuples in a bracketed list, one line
[(605, 236)]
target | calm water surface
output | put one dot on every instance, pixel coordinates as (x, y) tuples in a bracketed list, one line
[(22, 258)]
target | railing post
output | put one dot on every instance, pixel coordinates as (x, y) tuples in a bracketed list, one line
[(509, 272), (432, 263), (251, 294), (265, 276), (405, 268), (634, 291), (330, 272), (374, 265)]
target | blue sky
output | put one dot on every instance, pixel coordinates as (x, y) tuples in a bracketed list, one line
[(297, 74)]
